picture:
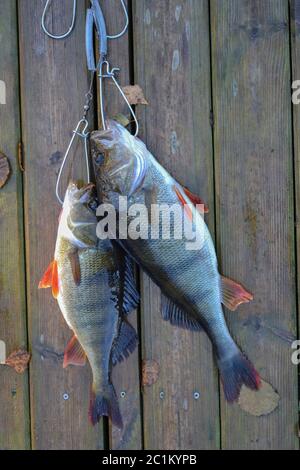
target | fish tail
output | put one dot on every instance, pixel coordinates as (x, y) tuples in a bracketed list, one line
[(236, 371), (105, 403)]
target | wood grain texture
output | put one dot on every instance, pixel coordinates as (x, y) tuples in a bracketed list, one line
[(125, 375), (53, 84), (14, 415), (172, 65), (254, 194), (295, 54)]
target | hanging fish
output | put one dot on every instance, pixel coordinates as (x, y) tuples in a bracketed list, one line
[(190, 280), (94, 285)]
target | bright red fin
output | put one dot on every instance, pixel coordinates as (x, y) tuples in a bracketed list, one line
[(46, 280), (184, 203), (55, 285), (74, 354), (234, 294), (196, 200)]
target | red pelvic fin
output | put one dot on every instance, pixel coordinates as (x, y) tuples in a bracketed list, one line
[(50, 279), (46, 280)]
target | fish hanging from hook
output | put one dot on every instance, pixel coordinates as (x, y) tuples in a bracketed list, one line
[(94, 19)]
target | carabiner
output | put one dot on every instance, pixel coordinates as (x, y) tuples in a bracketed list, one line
[(110, 73), (83, 134), (59, 36)]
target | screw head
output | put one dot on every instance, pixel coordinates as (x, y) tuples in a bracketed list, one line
[(196, 395), (162, 395), (123, 394), (65, 396)]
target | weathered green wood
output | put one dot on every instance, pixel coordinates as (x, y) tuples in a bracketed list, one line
[(53, 84), (254, 194), (14, 415), (126, 375), (172, 65)]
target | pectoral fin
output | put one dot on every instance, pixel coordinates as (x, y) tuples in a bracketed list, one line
[(75, 265), (196, 200), (233, 294), (184, 202), (50, 279), (74, 354), (178, 317)]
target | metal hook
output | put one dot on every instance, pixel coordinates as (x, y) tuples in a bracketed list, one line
[(59, 36), (117, 36), (83, 134), (110, 73)]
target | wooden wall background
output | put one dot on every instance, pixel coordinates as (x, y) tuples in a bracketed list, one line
[(217, 75)]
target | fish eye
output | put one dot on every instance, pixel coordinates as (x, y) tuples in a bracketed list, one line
[(93, 205), (100, 159)]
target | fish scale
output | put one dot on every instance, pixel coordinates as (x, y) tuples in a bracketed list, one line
[(95, 288), (189, 278)]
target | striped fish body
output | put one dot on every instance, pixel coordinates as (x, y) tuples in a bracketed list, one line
[(189, 279), (90, 280), (91, 307)]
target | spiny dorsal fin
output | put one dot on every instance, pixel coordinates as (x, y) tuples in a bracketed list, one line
[(125, 343), (178, 317)]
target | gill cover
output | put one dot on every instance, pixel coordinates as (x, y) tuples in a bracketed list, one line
[(119, 158), (79, 214)]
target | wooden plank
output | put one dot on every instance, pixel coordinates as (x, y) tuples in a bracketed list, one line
[(126, 375), (53, 83), (172, 65), (295, 45), (14, 416), (254, 194)]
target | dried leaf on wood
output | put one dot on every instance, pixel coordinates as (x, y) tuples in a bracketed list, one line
[(150, 372), (18, 360), (135, 94), (261, 402), (4, 169)]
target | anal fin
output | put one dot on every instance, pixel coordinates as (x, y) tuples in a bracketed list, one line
[(74, 354), (234, 294)]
